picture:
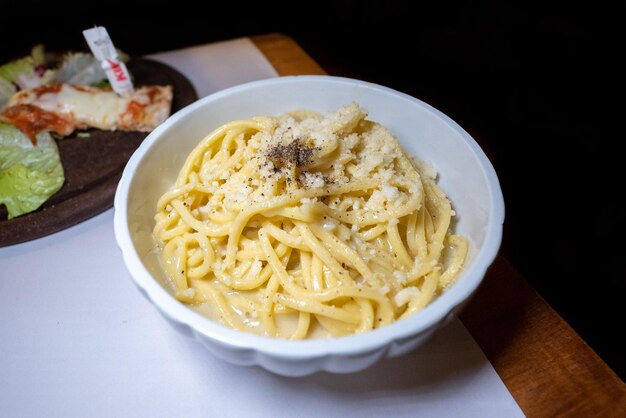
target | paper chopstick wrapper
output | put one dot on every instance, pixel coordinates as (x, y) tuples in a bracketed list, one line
[(103, 49)]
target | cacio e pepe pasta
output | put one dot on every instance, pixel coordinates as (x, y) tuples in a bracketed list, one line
[(306, 226)]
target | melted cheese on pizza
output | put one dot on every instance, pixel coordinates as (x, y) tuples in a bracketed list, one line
[(63, 108)]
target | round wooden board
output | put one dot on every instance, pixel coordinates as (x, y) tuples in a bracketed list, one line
[(93, 165)]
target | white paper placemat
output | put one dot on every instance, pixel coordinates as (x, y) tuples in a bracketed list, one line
[(77, 339), (213, 67)]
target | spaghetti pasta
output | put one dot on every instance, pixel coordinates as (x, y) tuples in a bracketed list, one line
[(305, 225)]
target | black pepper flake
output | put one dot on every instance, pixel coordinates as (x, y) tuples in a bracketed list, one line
[(296, 152)]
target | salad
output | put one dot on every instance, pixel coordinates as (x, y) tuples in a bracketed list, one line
[(42, 101), (31, 171)]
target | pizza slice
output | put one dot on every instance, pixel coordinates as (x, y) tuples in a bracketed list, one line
[(63, 108)]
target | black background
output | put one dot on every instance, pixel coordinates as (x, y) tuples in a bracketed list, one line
[(537, 86)]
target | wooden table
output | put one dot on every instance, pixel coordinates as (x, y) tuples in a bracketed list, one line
[(547, 367)]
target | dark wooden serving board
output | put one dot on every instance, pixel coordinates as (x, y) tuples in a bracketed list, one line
[(93, 165)]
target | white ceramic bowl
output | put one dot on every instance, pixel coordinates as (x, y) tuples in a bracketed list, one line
[(465, 174)]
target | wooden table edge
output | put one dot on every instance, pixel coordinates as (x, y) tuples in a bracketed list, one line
[(547, 367)]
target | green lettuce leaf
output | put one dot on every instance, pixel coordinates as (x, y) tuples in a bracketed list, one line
[(80, 68), (13, 70), (24, 72), (29, 174), (39, 55), (7, 90)]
